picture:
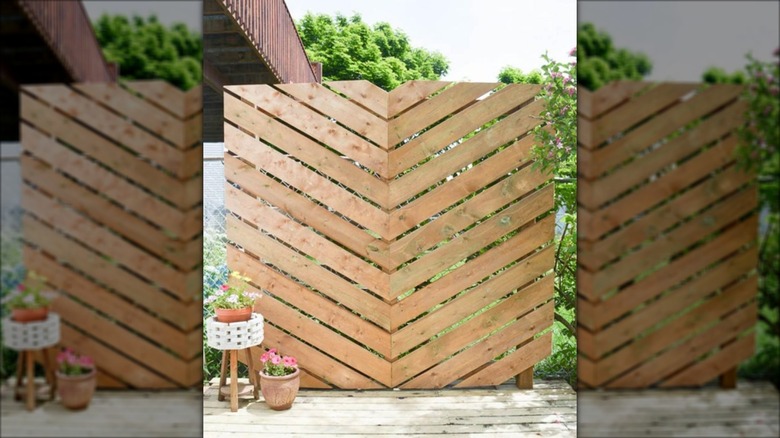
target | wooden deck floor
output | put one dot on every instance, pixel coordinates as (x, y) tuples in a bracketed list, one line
[(547, 410), (751, 410), (110, 414)]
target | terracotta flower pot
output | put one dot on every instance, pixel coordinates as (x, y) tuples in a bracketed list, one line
[(279, 391), (76, 391), (30, 315), (233, 315)]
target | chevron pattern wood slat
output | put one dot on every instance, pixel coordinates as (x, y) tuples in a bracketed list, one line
[(112, 200), (401, 239), (667, 227)]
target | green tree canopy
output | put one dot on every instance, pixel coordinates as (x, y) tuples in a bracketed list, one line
[(350, 49), (146, 49), (600, 62), (514, 75)]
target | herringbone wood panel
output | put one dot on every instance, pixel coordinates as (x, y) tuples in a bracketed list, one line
[(402, 239), (667, 236), (112, 201)]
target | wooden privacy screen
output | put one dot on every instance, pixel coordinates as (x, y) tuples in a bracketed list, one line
[(112, 217), (397, 248), (667, 233)]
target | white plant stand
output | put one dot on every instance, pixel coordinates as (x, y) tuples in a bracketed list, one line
[(231, 338), (29, 339)]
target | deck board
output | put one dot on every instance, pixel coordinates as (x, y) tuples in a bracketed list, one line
[(547, 410), (112, 413), (753, 409)]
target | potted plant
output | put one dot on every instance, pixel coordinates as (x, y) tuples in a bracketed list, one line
[(75, 379), (280, 379), (27, 302), (232, 302)]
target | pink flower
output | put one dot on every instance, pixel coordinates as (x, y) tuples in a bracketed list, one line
[(224, 287), (272, 351), (264, 357), (21, 288), (86, 362), (289, 361), (573, 52), (276, 360)]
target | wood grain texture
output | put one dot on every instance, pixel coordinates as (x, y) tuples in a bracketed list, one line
[(667, 236), (366, 275), (113, 218)]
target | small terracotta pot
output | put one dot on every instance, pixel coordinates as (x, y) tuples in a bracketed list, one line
[(233, 315), (279, 391), (76, 391), (30, 315)]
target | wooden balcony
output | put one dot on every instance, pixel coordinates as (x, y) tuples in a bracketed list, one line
[(44, 41), (248, 42)]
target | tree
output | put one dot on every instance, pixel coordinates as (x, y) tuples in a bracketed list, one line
[(600, 62), (349, 49), (513, 75), (145, 49)]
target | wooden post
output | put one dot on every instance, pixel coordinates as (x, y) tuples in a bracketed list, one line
[(525, 380), (728, 380), (222, 375), (233, 380)]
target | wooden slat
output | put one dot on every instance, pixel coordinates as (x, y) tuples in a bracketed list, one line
[(442, 166), (664, 278), (734, 353), (102, 210), (465, 244), (167, 96), (597, 162), (122, 281), (109, 184), (668, 305), (110, 245), (304, 149), (365, 94), (654, 223), (450, 370), (513, 364), (465, 214), (112, 125), (595, 193), (449, 101), (112, 305), (465, 122), (162, 124), (305, 240), (409, 215), (131, 372), (488, 291), (322, 100), (299, 266), (477, 327), (303, 210), (679, 356), (320, 128), (314, 304), (707, 222), (594, 104), (655, 342), (316, 361), (305, 180), (409, 94), (465, 275), (326, 340), (596, 224), (182, 194), (634, 111)]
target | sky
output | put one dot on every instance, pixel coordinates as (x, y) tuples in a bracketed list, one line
[(478, 37), (683, 39)]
